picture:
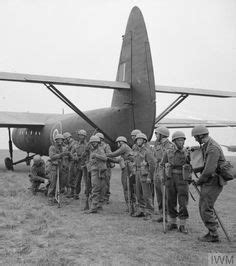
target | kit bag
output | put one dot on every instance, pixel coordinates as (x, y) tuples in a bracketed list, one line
[(226, 170)]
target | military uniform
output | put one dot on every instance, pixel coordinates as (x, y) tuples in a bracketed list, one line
[(97, 168), (37, 175), (56, 162), (106, 195), (211, 184), (67, 162), (144, 165), (127, 171), (176, 187), (159, 149), (78, 166)]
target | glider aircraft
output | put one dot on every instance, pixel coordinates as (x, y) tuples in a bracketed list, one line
[(133, 103)]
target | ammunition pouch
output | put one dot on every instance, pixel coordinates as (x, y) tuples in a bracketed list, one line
[(187, 172), (168, 170), (144, 169)]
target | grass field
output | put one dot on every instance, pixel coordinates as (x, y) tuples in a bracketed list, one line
[(33, 233)]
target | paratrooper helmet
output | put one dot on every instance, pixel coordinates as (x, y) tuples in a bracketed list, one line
[(100, 135), (177, 135), (199, 130), (121, 138), (82, 132), (141, 136), (94, 139), (163, 131)]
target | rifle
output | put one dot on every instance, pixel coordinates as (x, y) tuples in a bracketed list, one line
[(216, 214), (57, 191), (130, 202), (164, 207)]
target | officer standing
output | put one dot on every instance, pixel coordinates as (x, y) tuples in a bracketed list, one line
[(161, 144), (144, 164), (56, 154), (37, 173), (126, 165), (78, 166), (97, 167), (172, 165), (209, 180), (110, 165)]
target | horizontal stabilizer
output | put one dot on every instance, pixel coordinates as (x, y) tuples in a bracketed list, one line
[(196, 92), (64, 81), (23, 120), (190, 123)]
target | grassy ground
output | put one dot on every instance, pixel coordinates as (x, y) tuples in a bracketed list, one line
[(33, 233)]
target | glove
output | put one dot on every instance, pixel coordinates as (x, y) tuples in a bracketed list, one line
[(149, 181)]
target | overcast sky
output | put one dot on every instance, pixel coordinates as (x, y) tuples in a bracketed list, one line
[(193, 44)]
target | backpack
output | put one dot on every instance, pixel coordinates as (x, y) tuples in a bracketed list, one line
[(196, 159), (226, 170)]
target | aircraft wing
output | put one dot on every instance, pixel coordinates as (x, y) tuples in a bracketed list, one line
[(64, 81), (190, 123), (196, 92), (23, 120)]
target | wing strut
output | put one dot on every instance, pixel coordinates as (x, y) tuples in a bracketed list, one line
[(175, 103), (10, 162), (62, 97)]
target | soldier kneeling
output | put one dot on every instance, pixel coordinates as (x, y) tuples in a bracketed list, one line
[(37, 174)]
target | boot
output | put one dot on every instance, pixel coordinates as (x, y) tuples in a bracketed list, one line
[(139, 214), (183, 229), (76, 196), (172, 227), (210, 237), (71, 194), (91, 211), (147, 217), (160, 219), (51, 201), (100, 208), (86, 207), (182, 226)]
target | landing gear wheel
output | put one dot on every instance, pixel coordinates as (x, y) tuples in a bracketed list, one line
[(8, 163)]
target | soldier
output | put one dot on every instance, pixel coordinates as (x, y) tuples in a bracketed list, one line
[(173, 162), (126, 167), (78, 167), (209, 180), (97, 167), (110, 165), (161, 144), (68, 144), (37, 174), (56, 154), (144, 164), (133, 136)]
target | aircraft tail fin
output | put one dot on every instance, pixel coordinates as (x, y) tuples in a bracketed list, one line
[(135, 67)]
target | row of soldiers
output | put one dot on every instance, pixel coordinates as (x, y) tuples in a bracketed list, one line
[(145, 170)]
